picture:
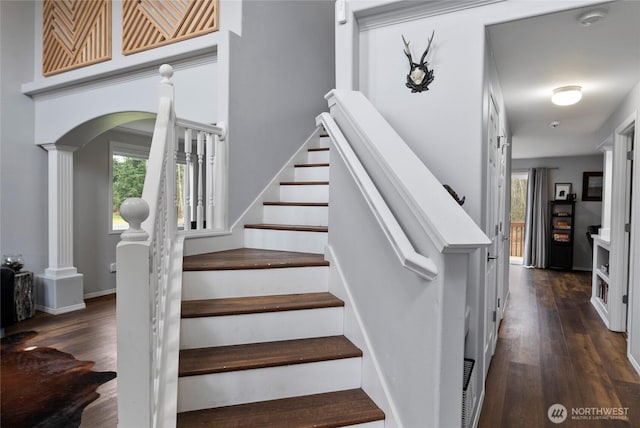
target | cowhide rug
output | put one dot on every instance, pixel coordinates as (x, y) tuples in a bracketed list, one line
[(43, 387)]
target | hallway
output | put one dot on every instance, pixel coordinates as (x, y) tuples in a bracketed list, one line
[(553, 348)]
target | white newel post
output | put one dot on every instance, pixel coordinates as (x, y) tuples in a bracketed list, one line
[(220, 180), (60, 287), (132, 317)]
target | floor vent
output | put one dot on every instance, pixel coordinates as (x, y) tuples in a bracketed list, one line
[(468, 393)]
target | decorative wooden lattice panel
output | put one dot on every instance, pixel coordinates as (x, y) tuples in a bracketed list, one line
[(151, 23), (75, 33)]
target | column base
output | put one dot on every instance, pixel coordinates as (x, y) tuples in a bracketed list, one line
[(58, 295)]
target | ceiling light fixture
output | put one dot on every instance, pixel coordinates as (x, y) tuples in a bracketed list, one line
[(566, 95), (590, 17)]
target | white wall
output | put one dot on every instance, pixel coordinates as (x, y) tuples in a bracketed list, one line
[(445, 126), (281, 68), (569, 170), (23, 170), (195, 82), (628, 108), (94, 245)]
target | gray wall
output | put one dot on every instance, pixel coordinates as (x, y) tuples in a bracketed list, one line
[(569, 170), (23, 170), (281, 68), (94, 246)]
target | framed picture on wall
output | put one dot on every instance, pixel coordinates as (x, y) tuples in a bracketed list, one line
[(562, 191), (592, 186)]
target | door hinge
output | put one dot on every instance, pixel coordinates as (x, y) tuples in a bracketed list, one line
[(494, 316), (497, 229), (630, 155), (627, 227), (625, 299), (498, 302)]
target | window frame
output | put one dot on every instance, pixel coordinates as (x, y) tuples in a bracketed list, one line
[(117, 148)]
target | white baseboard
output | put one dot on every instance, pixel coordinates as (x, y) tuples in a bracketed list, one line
[(633, 361), (476, 418), (99, 293), (63, 310)]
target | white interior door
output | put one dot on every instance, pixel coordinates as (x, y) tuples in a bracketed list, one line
[(492, 230), (503, 230)]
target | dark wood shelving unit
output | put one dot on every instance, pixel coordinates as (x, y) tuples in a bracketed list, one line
[(561, 234)]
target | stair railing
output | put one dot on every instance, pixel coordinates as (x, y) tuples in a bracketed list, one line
[(149, 261), (205, 170), (406, 262)]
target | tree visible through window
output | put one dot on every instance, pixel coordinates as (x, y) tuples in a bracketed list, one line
[(128, 169), (128, 181), (518, 209)]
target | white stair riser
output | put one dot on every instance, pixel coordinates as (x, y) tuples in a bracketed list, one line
[(376, 424), (223, 284), (263, 327), (286, 240), (311, 173), (318, 157), (246, 386), (304, 193), (299, 215), (324, 142)]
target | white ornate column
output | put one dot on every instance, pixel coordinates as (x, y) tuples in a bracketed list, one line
[(60, 288)]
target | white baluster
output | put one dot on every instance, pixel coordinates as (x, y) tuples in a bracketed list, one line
[(200, 209), (210, 182), (188, 187)]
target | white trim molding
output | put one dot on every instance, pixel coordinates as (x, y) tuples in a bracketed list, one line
[(401, 11)]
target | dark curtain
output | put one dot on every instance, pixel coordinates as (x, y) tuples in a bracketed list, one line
[(536, 220)]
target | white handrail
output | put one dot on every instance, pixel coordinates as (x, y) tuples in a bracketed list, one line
[(407, 255), (145, 263), (403, 174), (149, 261)]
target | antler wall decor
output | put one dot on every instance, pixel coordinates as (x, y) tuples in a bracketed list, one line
[(419, 77)]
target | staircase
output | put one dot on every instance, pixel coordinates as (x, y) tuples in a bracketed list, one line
[(261, 338)]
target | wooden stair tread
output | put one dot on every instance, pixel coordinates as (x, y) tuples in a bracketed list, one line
[(266, 354), (304, 183), (319, 149), (328, 410), (250, 258), (258, 304), (297, 204), (291, 227), (310, 165)]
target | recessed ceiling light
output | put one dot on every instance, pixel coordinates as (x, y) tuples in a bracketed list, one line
[(554, 124), (566, 95), (590, 17)]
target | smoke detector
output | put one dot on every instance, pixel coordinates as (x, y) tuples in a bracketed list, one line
[(554, 124)]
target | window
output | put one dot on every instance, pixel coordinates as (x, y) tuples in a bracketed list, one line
[(127, 169)]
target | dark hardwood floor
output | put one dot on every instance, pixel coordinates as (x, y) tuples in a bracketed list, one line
[(554, 348), (89, 335)]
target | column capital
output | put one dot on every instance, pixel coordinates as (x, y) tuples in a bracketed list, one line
[(53, 147)]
